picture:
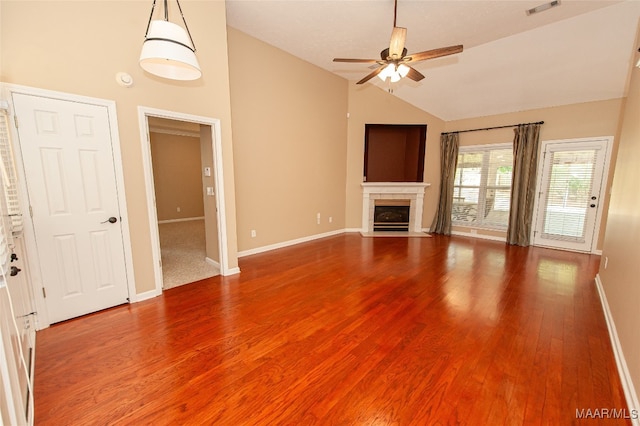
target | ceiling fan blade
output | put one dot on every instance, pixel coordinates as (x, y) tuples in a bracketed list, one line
[(435, 53), (371, 75), (396, 45), (366, 61), (414, 74)]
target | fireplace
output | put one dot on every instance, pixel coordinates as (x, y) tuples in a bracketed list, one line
[(391, 218), (408, 195)]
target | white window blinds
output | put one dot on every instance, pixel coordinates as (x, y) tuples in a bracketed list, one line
[(5, 244), (9, 177), (568, 195), (482, 186), (10, 216)]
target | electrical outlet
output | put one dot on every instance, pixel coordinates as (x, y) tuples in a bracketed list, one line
[(253, 233), (318, 218), (474, 231), (330, 219), (178, 209)]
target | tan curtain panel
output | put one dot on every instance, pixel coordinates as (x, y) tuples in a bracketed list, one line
[(448, 163), (523, 185)]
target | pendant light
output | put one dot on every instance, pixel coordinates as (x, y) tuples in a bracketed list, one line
[(168, 50)]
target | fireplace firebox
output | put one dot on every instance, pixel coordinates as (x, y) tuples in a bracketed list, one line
[(391, 218)]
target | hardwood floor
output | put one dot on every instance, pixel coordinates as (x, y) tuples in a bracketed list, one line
[(347, 331)]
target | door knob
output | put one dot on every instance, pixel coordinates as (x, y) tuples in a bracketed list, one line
[(110, 220), (593, 205)]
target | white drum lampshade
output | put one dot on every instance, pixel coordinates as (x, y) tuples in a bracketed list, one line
[(168, 52)]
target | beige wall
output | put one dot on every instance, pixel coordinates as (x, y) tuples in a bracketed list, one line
[(621, 247), (369, 104), (289, 134), (294, 151), (176, 176), (562, 122), (78, 47)]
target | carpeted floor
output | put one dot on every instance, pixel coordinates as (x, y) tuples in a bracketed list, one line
[(183, 253)]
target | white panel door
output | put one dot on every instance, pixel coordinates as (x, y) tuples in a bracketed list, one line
[(68, 161), (569, 194)]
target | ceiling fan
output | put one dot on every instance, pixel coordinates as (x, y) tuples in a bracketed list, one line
[(394, 63)]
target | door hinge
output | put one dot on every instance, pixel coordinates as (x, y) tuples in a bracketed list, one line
[(160, 263), (44, 293), (15, 120), (30, 211)]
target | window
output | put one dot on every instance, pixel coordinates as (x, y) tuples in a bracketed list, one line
[(9, 177), (482, 186), (5, 251), (10, 217)]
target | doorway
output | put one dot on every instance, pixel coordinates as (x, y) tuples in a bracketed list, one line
[(571, 182), (183, 184), (212, 177)]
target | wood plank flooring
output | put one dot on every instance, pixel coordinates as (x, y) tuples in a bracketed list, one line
[(346, 331)]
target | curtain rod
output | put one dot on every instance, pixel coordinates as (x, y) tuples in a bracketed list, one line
[(491, 128)]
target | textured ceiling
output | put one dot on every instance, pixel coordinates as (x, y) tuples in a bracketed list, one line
[(578, 52)]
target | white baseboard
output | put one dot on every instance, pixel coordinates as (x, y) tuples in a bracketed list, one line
[(184, 219), (212, 262), (480, 236), (290, 243), (623, 371), (232, 271), (352, 229), (504, 240), (145, 296)]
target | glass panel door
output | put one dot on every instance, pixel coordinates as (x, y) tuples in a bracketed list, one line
[(569, 194)]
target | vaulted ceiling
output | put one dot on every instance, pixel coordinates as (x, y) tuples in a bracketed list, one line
[(580, 51)]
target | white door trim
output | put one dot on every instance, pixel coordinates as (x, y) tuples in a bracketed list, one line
[(603, 185), (214, 123), (7, 91)]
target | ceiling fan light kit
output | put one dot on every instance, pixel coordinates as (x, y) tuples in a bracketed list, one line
[(394, 72), (168, 50), (394, 61)]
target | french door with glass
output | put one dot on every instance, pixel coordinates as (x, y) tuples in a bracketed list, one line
[(571, 181)]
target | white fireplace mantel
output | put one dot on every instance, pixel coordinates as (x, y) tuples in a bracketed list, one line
[(412, 191)]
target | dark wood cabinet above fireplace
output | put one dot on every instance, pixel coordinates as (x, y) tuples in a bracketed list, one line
[(394, 152)]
